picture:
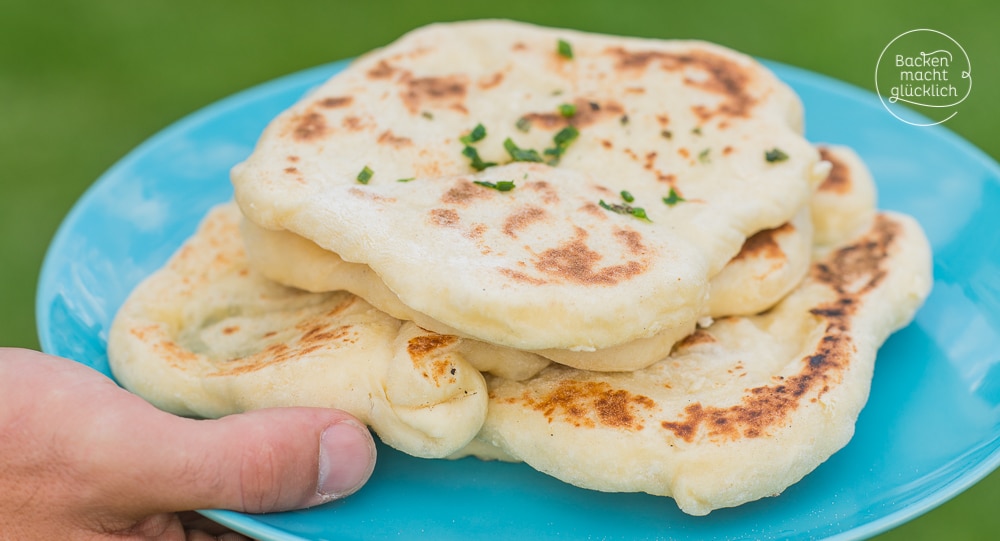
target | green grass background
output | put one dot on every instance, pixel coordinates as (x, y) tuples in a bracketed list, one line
[(82, 83)]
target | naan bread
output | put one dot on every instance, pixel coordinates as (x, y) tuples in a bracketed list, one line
[(206, 336), (542, 266), (846, 200), (768, 266), (740, 410)]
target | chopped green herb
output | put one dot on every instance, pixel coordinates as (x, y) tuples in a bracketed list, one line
[(566, 136), (628, 197), (406, 179), (564, 49), (521, 154), (696, 130), (562, 141), (557, 92), (477, 163), (500, 186), (567, 110), (365, 175), (673, 198), (623, 120), (667, 134), (427, 115), (477, 134), (523, 124), (626, 209), (703, 156), (594, 106), (775, 155)]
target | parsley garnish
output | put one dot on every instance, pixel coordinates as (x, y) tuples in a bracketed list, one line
[(477, 134), (696, 130), (500, 186), (477, 163), (427, 115), (406, 179), (623, 120), (564, 49), (628, 197), (667, 134), (365, 175), (775, 155), (567, 110), (626, 209), (703, 156), (673, 198), (520, 154), (562, 141), (523, 124)]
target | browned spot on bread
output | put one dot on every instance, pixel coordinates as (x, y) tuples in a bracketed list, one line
[(855, 269), (291, 170), (548, 193), (335, 101), (518, 46), (464, 192), (574, 261), (422, 346), (685, 153), (727, 150), (371, 196), (591, 403), (382, 71), (388, 138), (309, 126), (594, 210), (444, 217), (650, 161), (851, 272), (488, 82), (230, 329), (725, 77), (585, 115), (632, 240), (839, 178), (699, 336), (518, 276), (664, 120), (521, 219), (316, 334), (352, 123), (422, 92), (763, 244), (292, 159)]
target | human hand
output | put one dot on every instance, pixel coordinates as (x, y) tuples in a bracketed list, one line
[(81, 458)]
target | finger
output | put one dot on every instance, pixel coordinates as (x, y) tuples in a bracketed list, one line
[(261, 461), (117, 452)]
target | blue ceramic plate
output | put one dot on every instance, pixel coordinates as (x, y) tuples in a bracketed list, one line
[(930, 429)]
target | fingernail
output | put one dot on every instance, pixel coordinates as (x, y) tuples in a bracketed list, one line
[(346, 459)]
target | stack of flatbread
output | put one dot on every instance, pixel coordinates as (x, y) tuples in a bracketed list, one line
[(617, 260)]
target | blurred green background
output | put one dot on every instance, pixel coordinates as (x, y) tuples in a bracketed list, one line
[(82, 83)]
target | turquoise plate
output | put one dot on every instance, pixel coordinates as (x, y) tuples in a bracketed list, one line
[(930, 430)]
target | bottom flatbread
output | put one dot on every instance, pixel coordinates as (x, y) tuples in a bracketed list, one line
[(207, 336), (740, 410)]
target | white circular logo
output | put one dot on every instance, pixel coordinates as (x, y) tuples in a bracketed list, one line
[(926, 72)]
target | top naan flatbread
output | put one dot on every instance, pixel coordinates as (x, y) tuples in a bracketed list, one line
[(559, 261)]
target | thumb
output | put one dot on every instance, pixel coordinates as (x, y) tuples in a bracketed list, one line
[(261, 461), (77, 449)]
